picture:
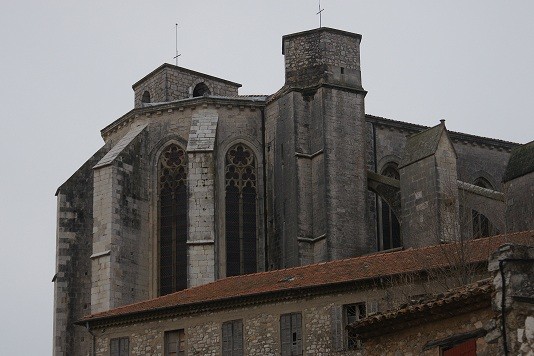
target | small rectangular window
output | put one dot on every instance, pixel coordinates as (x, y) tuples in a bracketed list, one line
[(119, 346), (353, 313), (232, 338), (291, 334), (175, 343)]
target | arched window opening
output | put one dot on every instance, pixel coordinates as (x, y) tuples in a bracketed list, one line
[(201, 89), (483, 182), (388, 225), (482, 227), (241, 211), (172, 172), (146, 97)]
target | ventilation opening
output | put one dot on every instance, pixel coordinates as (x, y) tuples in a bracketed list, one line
[(146, 97), (201, 89)]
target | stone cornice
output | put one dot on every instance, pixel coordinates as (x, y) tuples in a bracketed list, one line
[(203, 101), (456, 137)]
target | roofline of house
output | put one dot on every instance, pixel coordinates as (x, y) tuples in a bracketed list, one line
[(250, 299)]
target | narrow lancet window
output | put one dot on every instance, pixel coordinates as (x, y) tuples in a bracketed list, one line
[(389, 226), (241, 211), (172, 219)]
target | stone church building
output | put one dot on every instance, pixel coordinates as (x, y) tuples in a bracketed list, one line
[(198, 183)]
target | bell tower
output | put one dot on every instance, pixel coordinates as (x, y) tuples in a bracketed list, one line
[(319, 175)]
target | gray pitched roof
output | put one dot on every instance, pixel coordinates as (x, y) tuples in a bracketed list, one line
[(521, 162), (422, 145)]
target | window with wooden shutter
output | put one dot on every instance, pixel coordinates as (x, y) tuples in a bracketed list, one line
[(241, 211), (172, 172), (337, 327), (175, 343), (232, 338), (291, 334), (119, 346)]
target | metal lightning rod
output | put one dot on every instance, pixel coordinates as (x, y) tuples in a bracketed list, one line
[(177, 54), (320, 13)]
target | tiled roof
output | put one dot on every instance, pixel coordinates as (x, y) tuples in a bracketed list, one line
[(439, 306), (521, 162), (317, 276)]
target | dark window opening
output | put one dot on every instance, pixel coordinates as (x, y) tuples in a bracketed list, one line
[(389, 234), (353, 313), (342, 70), (201, 89), (172, 220), (483, 182), (241, 211), (146, 97), (482, 227)]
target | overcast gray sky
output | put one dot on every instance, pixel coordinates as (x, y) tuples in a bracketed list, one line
[(67, 68)]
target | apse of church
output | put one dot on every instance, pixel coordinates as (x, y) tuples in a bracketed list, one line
[(198, 183)]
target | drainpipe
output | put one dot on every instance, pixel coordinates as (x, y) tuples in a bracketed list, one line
[(93, 337)]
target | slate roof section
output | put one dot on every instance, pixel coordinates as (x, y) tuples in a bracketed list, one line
[(443, 305), (422, 144), (521, 162), (121, 145), (306, 280)]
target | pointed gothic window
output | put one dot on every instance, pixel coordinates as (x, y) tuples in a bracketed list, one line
[(241, 211), (482, 226), (388, 224), (172, 187)]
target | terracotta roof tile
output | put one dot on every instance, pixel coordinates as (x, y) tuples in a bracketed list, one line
[(321, 274), (378, 324)]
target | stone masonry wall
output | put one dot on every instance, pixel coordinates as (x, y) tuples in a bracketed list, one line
[(120, 243), (514, 263), (172, 83), (261, 325), (412, 340), (519, 199), (73, 266), (419, 203), (321, 54)]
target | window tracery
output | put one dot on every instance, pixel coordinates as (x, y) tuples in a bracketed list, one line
[(241, 211), (172, 219)]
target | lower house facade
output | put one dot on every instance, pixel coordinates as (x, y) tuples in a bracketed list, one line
[(319, 309), (494, 316)]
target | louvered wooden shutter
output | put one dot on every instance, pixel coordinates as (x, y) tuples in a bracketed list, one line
[(227, 339), (124, 346), (114, 347), (296, 330), (238, 338), (338, 333), (285, 334)]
